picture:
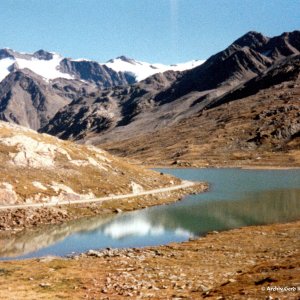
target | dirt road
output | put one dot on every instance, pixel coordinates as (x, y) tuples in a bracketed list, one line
[(184, 184)]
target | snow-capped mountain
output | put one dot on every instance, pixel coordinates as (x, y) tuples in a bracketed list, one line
[(142, 70), (35, 86), (50, 66), (44, 64), (118, 71)]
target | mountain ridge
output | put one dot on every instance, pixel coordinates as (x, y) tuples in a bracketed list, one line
[(121, 65), (106, 114), (164, 99)]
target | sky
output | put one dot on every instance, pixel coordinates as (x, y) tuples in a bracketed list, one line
[(156, 31)]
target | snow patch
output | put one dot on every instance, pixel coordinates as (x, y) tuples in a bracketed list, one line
[(94, 163), (4, 67), (61, 187), (66, 194), (142, 70), (48, 69)]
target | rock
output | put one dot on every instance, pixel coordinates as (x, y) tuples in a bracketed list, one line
[(136, 188), (94, 253), (44, 285), (47, 259), (204, 288)]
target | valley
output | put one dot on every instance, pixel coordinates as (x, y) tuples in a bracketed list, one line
[(78, 139)]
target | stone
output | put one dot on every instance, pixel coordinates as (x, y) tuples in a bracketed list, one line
[(44, 285)]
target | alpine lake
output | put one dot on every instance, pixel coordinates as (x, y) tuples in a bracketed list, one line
[(236, 198)]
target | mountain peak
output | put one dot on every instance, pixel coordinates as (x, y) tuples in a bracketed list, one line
[(252, 39), (124, 59), (42, 54), (6, 53)]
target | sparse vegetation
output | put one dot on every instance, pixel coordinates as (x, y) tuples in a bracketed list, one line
[(81, 169)]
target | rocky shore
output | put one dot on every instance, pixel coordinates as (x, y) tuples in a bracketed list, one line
[(260, 262)]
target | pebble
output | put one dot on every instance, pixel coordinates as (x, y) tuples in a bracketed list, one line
[(204, 288), (44, 285)]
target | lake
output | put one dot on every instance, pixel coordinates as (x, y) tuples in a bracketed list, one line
[(236, 198)]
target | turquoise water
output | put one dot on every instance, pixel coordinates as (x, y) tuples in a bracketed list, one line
[(236, 198)]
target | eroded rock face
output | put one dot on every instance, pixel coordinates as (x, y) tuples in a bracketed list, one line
[(92, 71), (32, 153), (26, 99)]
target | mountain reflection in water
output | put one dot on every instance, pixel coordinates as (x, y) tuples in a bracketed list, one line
[(137, 225), (237, 198)]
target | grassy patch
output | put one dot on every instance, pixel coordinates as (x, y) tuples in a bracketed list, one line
[(5, 272)]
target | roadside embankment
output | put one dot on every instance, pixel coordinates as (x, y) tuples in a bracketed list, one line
[(28, 216)]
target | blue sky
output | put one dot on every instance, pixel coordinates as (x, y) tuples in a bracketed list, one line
[(166, 31)]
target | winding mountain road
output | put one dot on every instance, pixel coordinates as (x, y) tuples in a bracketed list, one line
[(184, 184)]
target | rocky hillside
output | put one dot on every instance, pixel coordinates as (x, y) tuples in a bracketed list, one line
[(120, 111), (33, 87), (38, 168), (163, 100), (26, 99), (258, 123)]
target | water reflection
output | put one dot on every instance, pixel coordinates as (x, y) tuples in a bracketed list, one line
[(138, 224), (31, 240), (238, 198)]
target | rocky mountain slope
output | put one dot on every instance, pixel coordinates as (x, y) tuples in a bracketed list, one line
[(26, 99), (258, 123), (33, 87), (38, 168), (163, 100), (110, 113)]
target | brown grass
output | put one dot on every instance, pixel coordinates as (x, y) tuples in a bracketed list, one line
[(231, 265)]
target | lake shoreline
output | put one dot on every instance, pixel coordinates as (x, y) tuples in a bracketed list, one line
[(231, 264), (245, 167), (15, 220), (234, 264)]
